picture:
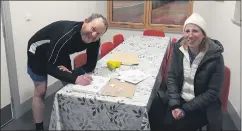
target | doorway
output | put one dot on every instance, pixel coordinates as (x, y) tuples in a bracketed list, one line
[(6, 106), (10, 100)]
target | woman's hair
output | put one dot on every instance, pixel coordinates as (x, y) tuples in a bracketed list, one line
[(204, 44)]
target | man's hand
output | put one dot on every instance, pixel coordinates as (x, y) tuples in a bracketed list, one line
[(178, 113), (63, 68), (84, 80)]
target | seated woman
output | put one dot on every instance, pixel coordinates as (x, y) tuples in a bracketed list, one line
[(195, 78)]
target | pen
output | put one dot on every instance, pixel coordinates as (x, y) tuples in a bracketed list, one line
[(85, 74), (83, 71)]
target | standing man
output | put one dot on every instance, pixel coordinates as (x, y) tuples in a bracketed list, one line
[(50, 48)]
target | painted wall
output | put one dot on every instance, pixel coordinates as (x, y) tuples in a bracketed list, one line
[(41, 13), (5, 89), (228, 34)]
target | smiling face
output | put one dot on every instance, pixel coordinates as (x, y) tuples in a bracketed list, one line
[(92, 30), (193, 35)]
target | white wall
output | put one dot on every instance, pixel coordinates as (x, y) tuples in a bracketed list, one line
[(5, 89), (218, 22), (43, 13), (228, 34)]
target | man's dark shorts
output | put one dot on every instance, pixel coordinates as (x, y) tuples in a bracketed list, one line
[(35, 77)]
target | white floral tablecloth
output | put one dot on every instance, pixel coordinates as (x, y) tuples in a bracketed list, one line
[(82, 111)]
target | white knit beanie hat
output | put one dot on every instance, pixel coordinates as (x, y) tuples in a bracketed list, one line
[(197, 20)]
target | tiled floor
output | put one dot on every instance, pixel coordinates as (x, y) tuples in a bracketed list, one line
[(25, 122)]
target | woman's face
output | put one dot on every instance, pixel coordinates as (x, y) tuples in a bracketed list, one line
[(193, 35)]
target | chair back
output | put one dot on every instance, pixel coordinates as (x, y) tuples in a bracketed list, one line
[(224, 93), (174, 40), (106, 47), (154, 33), (165, 67), (80, 60), (118, 39)]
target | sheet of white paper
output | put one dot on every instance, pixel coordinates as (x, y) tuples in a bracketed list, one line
[(132, 76), (95, 87)]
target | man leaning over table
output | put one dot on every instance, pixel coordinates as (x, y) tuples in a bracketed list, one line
[(48, 54)]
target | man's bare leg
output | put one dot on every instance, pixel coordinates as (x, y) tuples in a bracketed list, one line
[(38, 104)]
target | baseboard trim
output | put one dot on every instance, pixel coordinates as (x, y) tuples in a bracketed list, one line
[(6, 114), (27, 105), (234, 116)]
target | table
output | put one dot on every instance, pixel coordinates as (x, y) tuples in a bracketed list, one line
[(82, 111)]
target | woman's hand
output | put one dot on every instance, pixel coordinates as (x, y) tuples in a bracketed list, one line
[(63, 68), (178, 113)]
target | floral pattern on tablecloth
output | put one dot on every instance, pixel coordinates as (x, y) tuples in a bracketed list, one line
[(84, 111)]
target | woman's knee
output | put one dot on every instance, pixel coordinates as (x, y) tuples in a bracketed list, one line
[(156, 114), (214, 116), (156, 104)]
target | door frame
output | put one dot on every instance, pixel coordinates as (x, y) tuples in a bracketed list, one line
[(6, 110), (10, 57)]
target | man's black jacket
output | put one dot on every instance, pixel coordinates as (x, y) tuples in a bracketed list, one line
[(51, 47)]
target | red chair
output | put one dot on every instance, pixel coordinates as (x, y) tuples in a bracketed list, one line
[(174, 40), (118, 39), (154, 33), (106, 48), (166, 62), (225, 90), (80, 60)]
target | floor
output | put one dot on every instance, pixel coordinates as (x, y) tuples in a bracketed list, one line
[(25, 122)]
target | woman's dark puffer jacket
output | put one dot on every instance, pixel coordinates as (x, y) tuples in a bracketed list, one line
[(207, 82)]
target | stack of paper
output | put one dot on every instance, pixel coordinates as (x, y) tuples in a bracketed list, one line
[(94, 87), (132, 76)]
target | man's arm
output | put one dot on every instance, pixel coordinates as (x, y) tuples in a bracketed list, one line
[(54, 71), (61, 75)]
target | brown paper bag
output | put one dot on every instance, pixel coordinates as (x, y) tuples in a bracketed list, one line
[(126, 58), (121, 89)]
